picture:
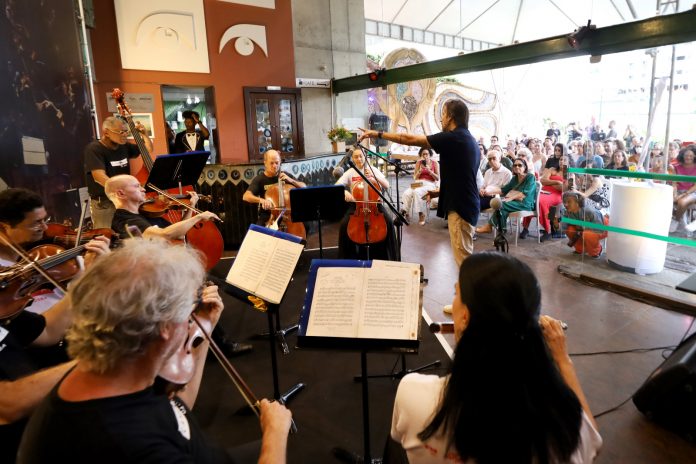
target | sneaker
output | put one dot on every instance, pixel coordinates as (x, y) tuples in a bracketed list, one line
[(544, 237), (524, 233), (447, 309)]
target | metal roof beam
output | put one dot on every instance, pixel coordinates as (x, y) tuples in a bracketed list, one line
[(651, 32)]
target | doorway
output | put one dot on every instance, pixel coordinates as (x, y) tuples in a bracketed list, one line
[(176, 100)]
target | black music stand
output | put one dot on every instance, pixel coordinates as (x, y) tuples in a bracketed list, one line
[(176, 170), (317, 204)]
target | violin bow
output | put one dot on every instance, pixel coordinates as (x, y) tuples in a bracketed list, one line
[(232, 373), (175, 200)]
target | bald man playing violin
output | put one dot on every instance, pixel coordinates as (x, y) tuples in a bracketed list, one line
[(127, 195), (42, 323), (126, 335)]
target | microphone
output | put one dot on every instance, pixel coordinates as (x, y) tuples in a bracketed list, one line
[(442, 327), (448, 327), (338, 170)]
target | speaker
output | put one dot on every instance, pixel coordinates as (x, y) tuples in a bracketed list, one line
[(379, 122), (668, 396)]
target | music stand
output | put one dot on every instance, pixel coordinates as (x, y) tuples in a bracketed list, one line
[(317, 203), (173, 171)]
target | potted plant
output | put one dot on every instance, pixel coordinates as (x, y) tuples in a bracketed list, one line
[(338, 137)]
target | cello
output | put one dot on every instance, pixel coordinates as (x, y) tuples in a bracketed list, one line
[(279, 194), (204, 236), (367, 224)]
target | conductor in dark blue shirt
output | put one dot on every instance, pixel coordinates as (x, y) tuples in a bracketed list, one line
[(459, 161)]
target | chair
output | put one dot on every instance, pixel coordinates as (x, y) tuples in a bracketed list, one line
[(519, 215)]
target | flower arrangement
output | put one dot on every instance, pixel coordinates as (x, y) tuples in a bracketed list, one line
[(338, 134)]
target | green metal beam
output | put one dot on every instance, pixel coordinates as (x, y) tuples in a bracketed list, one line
[(647, 33)]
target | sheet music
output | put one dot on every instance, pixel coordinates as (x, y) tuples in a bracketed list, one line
[(264, 265), (366, 302)]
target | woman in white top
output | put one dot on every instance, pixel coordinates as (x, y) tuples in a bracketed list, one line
[(512, 394), (427, 173)]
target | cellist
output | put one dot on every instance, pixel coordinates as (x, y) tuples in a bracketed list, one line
[(43, 323), (107, 157), (347, 249), (256, 192)]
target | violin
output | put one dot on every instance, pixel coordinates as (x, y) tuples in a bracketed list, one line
[(204, 236), (367, 224), (66, 236), (42, 264), (279, 194)]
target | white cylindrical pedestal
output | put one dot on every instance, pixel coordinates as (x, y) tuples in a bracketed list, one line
[(644, 207)]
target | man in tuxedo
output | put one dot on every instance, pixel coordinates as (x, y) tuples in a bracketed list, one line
[(191, 139)]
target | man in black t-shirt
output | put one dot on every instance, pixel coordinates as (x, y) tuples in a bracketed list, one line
[(459, 163), (259, 184), (125, 335), (108, 157)]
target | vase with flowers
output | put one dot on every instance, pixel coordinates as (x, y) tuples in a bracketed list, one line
[(338, 136)]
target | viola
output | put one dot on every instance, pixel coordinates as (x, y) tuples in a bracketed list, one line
[(19, 281), (367, 224), (158, 206), (204, 236), (66, 236), (279, 194)]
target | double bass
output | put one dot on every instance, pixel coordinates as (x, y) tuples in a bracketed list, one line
[(367, 224), (279, 194), (204, 236)]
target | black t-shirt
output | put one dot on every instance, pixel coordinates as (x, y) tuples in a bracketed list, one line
[(258, 187), (459, 161), (15, 362), (141, 427), (123, 218), (114, 162), (552, 132)]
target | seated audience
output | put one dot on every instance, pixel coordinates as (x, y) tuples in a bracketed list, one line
[(586, 153), (427, 172), (529, 409), (551, 190), (684, 192), (618, 161), (518, 195), (494, 179)]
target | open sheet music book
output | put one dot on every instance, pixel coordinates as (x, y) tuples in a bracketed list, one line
[(265, 263), (377, 300)]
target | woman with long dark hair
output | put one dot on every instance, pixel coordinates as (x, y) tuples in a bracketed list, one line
[(512, 394)]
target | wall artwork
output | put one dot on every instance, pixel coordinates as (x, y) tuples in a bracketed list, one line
[(162, 35), (146, 120), (247, 35)]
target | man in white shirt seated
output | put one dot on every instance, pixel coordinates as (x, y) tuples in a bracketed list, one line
[(494, 178)]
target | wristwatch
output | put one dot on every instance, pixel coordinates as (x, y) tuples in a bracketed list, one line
[(379, 134)]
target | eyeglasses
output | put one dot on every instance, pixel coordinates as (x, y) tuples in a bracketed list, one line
[(122, 132), (38, 225)]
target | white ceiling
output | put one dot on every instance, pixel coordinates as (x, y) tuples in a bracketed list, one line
[(494, 20)]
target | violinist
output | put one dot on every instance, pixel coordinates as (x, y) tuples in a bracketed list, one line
[(108, 157), (42, 324), (347, 249), (256, 192), (124, 334), (127, 194)]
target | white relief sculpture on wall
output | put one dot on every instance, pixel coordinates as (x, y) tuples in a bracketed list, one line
[(162, 35), (260, 3), (246, 35)]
